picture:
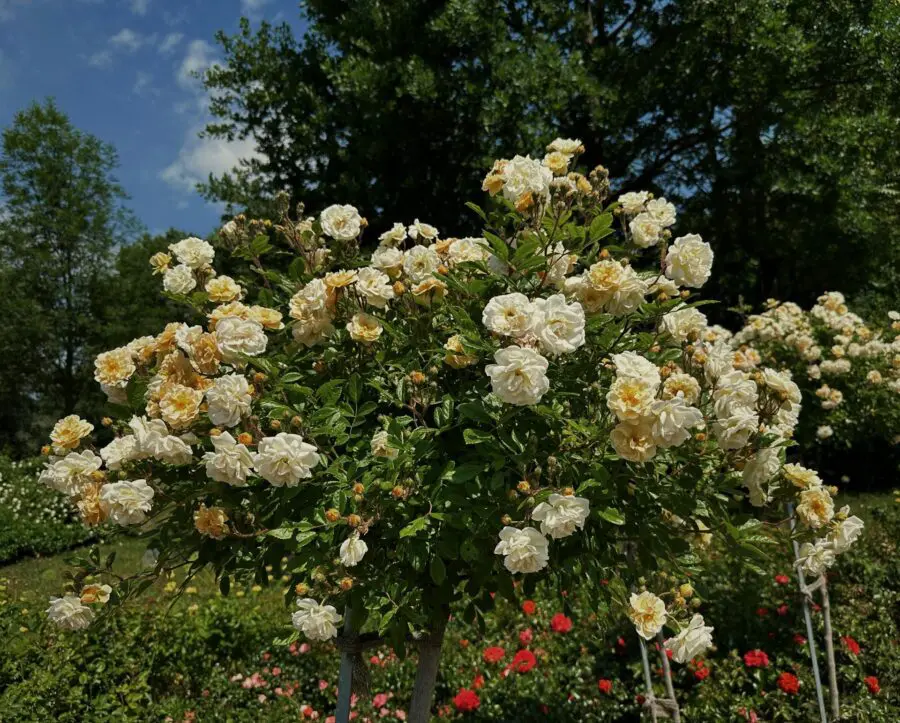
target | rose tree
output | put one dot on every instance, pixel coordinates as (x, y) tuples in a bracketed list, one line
[(429, 422)]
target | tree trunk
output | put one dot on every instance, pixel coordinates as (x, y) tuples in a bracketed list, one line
[(426, 675)]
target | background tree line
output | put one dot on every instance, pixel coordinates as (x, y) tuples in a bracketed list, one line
[(773, 124)]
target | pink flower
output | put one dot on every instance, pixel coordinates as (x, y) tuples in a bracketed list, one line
[(266, 656), (261, 697), (304, 648), (276, 670), (380, 700), (526, 636), (323, 685), (782, 579)]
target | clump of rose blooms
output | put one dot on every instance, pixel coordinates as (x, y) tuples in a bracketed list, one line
[(424, 423), (847, 366)]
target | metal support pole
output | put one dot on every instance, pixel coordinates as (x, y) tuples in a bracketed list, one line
[(345, 679), (809, 626)]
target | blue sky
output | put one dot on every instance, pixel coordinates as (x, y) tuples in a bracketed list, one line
[(121, 70)]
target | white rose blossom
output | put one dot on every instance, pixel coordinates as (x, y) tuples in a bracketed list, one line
[(119, 451), (420, 263), (645, 230), (815, 559), (193, 252), (672, 421), (316, 621), (127, 502), (381, 446), (375, 286), (69, 612), (558, 326), (523, 550), (509, 315), (179, 280), (352, 551), (342, 223), (694, 640), (418, 229), (561, 515), (689, 261), (285, 459), (845, 533), (230, 462), (648, 613), (229, 400), (519, 375), (240, 337)]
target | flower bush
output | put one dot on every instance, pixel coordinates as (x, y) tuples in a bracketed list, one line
[(847, 367), (414, 427)]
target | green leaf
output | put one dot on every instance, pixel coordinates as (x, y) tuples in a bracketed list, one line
[(354, 387), (499, 246), (297, 268), (417, 525), (476, 436), (136, 393), (438, 570), (282, 533), (613, 516), (599, 225)]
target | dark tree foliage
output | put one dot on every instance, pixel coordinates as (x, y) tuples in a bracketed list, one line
[(775, 120)]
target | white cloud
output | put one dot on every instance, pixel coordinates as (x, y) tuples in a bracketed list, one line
[(142, 84), (139, 7), (127, 39), (251, 7), (200, 157), (100, 59), (200, 56), (169, 42)]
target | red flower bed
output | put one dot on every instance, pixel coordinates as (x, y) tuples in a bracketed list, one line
[(756, 659), (559, 623), (466, 700), (494, 654), (789, 683)]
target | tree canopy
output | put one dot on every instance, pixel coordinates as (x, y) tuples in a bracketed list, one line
[(774, 121)]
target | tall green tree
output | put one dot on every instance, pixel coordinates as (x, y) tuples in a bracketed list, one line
[(775, 120), (63, 219)]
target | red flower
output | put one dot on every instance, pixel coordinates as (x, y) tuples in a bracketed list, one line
[(756, 659), (872, 684), (782, 579), (478, 682), (762, 612), (494, 654), (559, 623), (701, 673), (788, 683), (799, 639), (851, 645), (380, 700), (782, 610), (523, 661), (529, 608), (466, 700), (669, 653), (605, 686), (526, 636)]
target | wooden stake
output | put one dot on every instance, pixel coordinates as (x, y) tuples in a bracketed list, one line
[(426, 675)]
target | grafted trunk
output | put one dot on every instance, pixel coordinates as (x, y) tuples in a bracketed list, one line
[(426, 675)]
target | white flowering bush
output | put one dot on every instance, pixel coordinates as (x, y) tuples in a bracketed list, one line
[(848, 368), (428, 422)]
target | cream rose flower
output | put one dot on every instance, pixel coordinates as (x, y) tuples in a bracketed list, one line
[(630, 398), (801, 477), (689, 261), (456, 355), (394, 235), (114, 368), (230, 463), (152, 439), (824, 432), (634, 442), (316, 621), (468, 250), (519, 375), (179, 280), (193, 252), (95, 593), (634, 202), (672, 421), (352, 551), (661, 211), (418, 230), (683, 384), (561, 515), (509, 315), (364, 328), (557, 162), (69, 612), (609, 286), (683, 323), (127, 502), (758, 471), (381, 446), (229, 400), (223, 289), (389, 260), (845, 533), (119, 451), (816, 508), (524, 178), (72, 473), (180, 405), (523, 550), (694, 640), (285, 459), (648, 613), (342, 223), (566, 146), (375, 286), (240, 337), (269, 318), (420, 263), (68, 432), (645, 230), (558, 326), (815, 559), (211, 522)]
